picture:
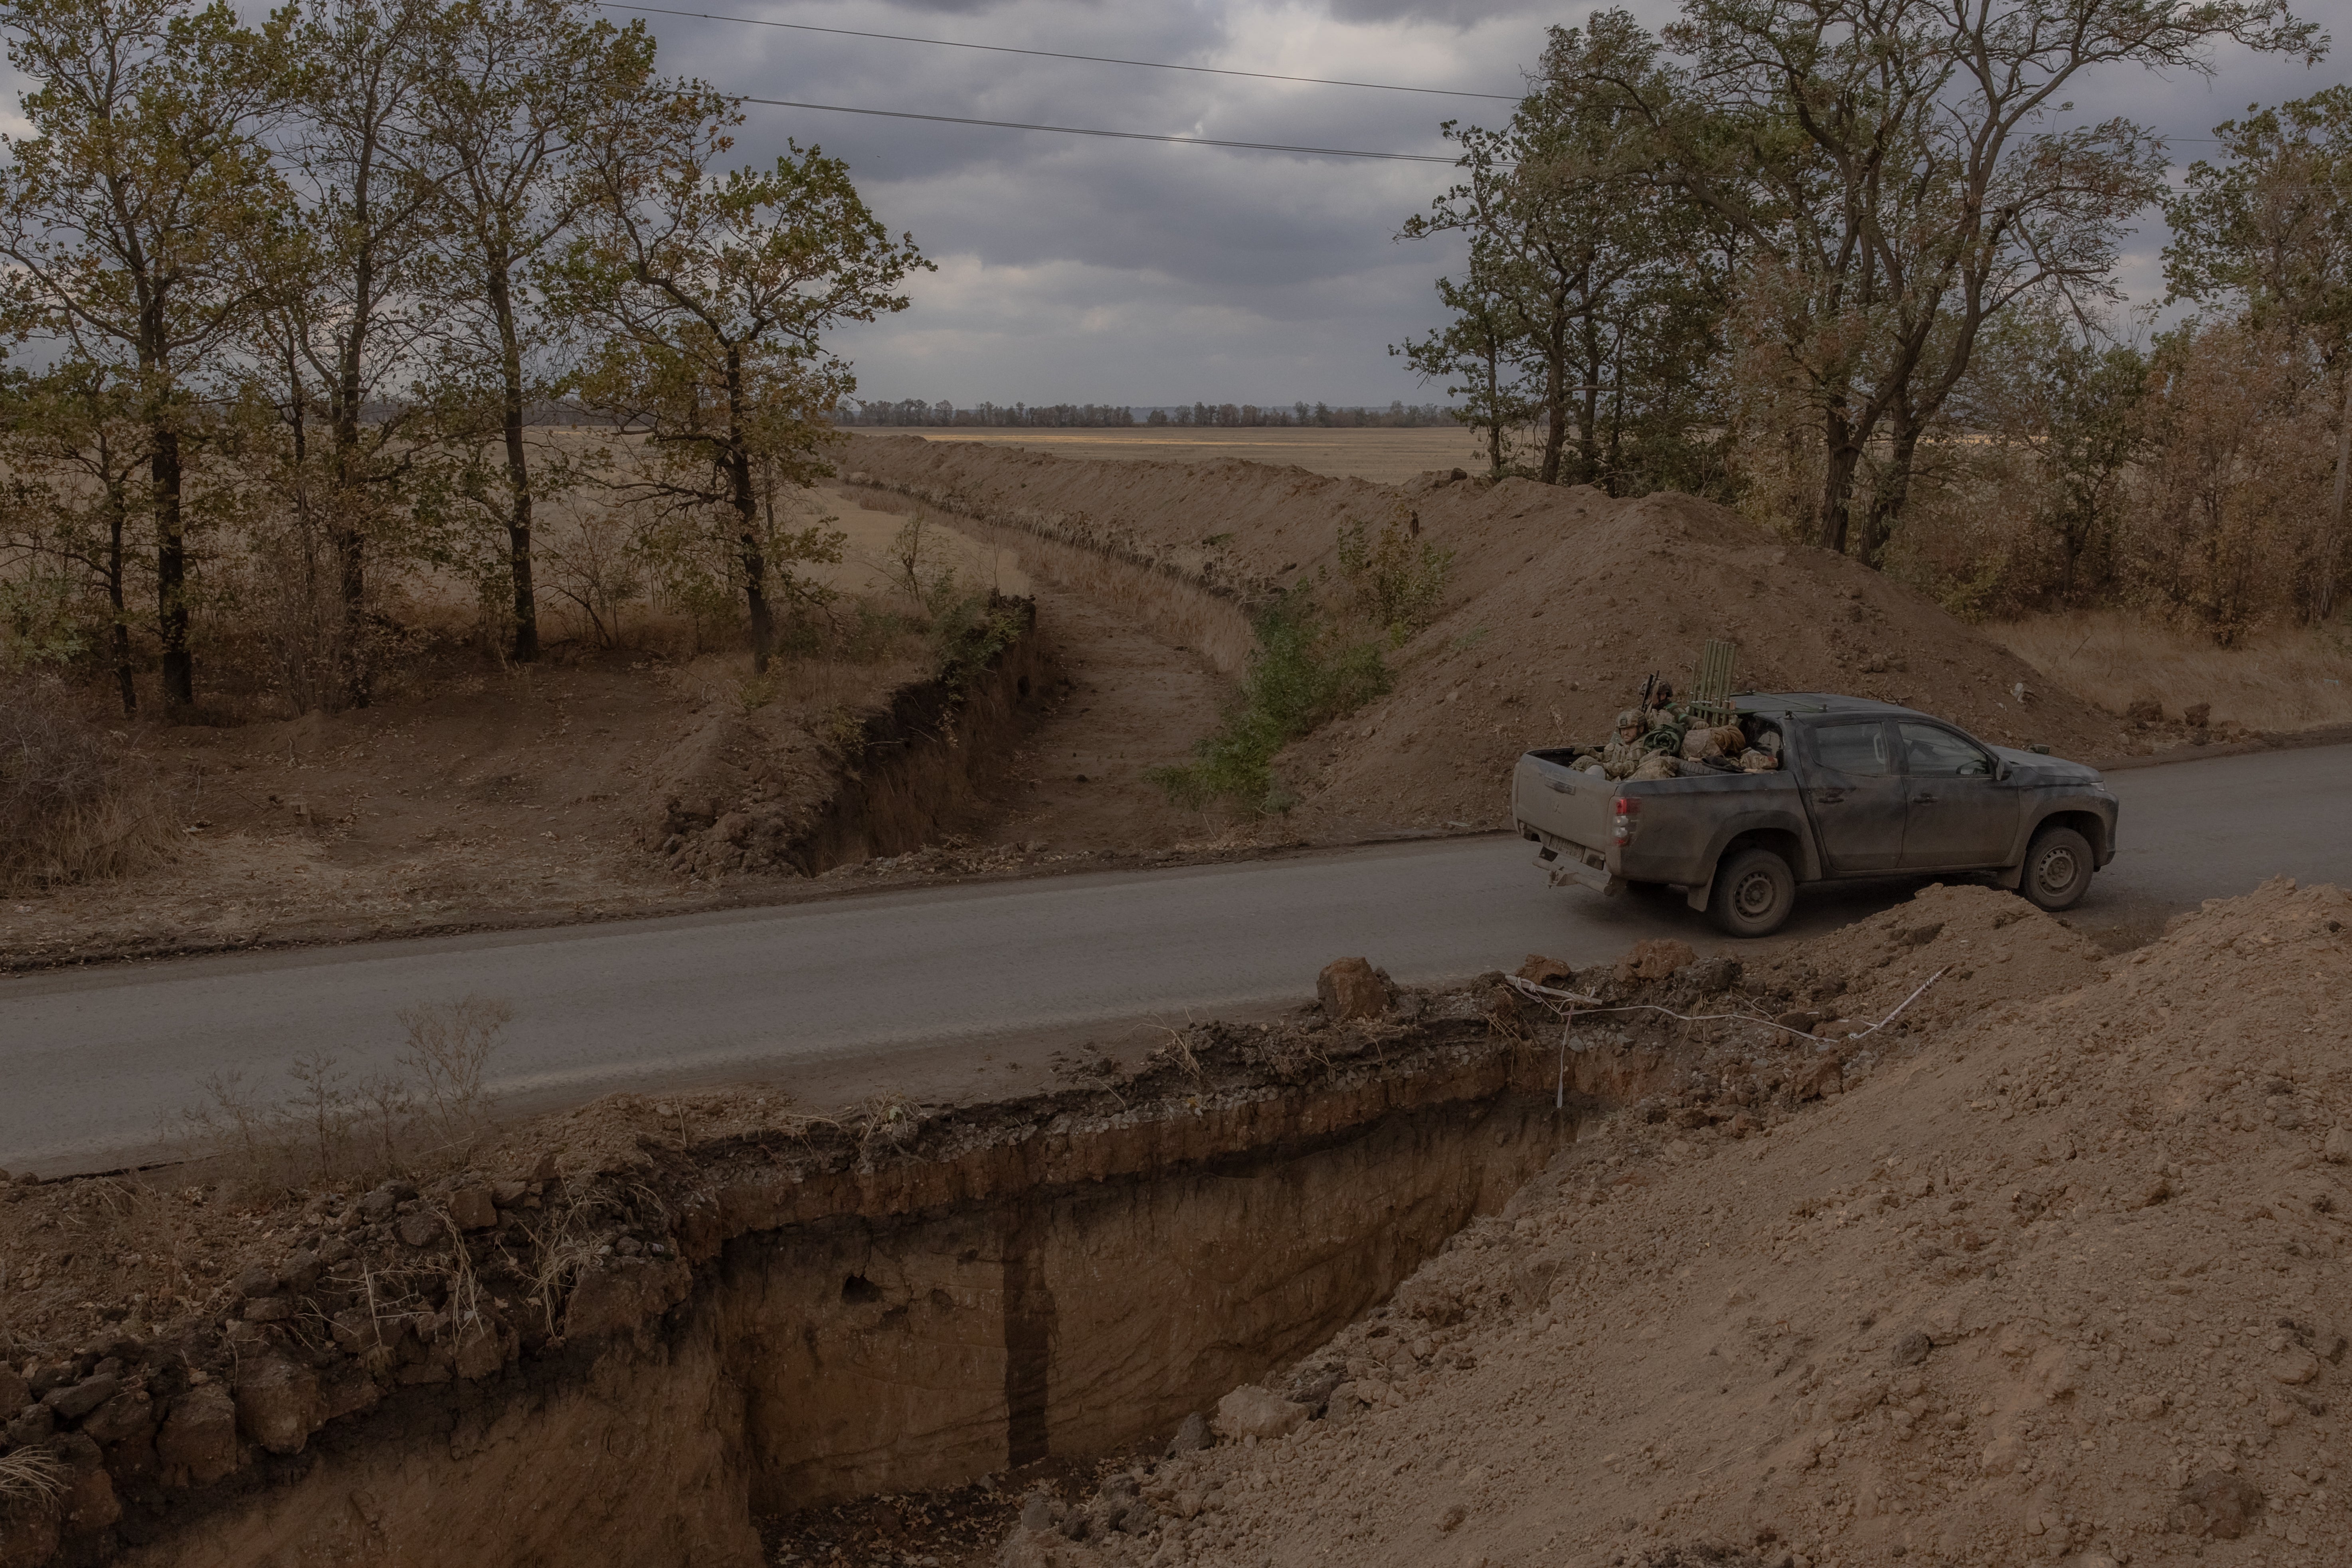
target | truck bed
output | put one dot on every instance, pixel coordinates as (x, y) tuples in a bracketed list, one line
[(1678, 827)]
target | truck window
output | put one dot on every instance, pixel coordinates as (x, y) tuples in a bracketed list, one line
[(1858, 748), (1929, 752)]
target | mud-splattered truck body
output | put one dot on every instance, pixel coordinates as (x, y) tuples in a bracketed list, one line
[(1865, 789)]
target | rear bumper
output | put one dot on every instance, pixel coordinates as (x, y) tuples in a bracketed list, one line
[(1566, 862)]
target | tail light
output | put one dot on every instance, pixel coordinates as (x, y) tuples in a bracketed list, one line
[(1625, 809)]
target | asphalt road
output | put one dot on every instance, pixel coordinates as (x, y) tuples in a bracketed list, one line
[(874, 989)]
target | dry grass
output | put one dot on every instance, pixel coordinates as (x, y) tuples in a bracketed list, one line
[(32, 1478), (76, 802), (1385, 456), (1167, 605), (2278, 680), (430, 1113)]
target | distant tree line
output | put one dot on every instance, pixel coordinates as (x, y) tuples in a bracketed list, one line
[(1851, 267), (296, 303), (914, 411), (1397, 416)]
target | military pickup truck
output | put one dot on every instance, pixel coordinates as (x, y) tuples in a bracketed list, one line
[(1865, 789)]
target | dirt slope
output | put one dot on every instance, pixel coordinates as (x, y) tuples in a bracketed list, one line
[(2066, 1283), (1560, 600)]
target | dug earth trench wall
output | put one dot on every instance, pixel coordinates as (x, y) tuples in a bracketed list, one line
[(821, 1312), (744, 798)]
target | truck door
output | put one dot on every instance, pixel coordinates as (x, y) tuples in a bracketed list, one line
[(1856, 794), (1961, 814)]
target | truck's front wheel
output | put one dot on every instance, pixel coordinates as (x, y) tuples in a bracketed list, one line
[(2057, 869), (1754, 892)]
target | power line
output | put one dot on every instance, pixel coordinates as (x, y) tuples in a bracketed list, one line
[(1051, 54), (1117, 135)]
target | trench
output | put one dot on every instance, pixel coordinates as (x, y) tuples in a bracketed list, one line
[(912, 768), (911, 1325)]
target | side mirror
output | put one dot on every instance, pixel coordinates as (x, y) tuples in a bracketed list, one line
[(2000, 772)]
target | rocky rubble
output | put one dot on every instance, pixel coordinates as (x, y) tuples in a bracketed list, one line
[(2059, 1277)]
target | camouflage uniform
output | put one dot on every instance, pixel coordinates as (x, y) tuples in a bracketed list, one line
[(1624, 754)]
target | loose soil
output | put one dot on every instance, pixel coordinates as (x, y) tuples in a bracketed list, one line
[(1081, 779), (2059, 1276)]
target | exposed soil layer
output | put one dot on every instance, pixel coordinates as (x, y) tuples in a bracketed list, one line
[(2060, 1278), (1560, 600), (716, 1308)]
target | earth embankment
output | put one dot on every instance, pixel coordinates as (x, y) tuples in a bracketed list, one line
[(1559, 604)]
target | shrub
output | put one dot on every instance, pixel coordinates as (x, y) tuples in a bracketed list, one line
[(75, 802), (1304, 671), (1394, 580)]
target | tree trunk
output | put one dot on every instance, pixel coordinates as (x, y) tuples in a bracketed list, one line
[(179, 675), (526, 601), (1555, 346), (748, 535), (350, 527), (1588, 435), (2331, 545), (1894, 493), (119, 636), (1843, 457), (1494, 409)]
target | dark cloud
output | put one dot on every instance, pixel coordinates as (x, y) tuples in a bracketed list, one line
[(1451, 13)]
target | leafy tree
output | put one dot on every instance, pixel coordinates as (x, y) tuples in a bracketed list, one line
[(76, 452), (340, 337), (1598, 287), (2270, 229), (1884, 167), (712, 294), (2075, 404), (516, 89), (1475, 355), (129, 208)]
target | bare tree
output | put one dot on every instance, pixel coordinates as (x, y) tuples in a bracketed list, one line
[(340, 333)]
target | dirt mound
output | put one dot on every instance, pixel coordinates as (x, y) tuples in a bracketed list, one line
[(1560, 602), (2064, 1282)]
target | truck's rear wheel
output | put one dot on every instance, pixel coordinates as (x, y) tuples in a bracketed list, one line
[(2057, 869), (1754, 893)]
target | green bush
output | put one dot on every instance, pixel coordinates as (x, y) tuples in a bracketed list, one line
[(1305, 673), (1394, 580)]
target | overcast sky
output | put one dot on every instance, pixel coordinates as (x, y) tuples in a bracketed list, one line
[(1074, 269)]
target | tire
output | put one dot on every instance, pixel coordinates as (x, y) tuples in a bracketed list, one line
[(2057, 870), (1753, 895)]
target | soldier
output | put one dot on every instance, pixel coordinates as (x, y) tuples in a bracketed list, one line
[(1663, 714), (1620, 757)]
